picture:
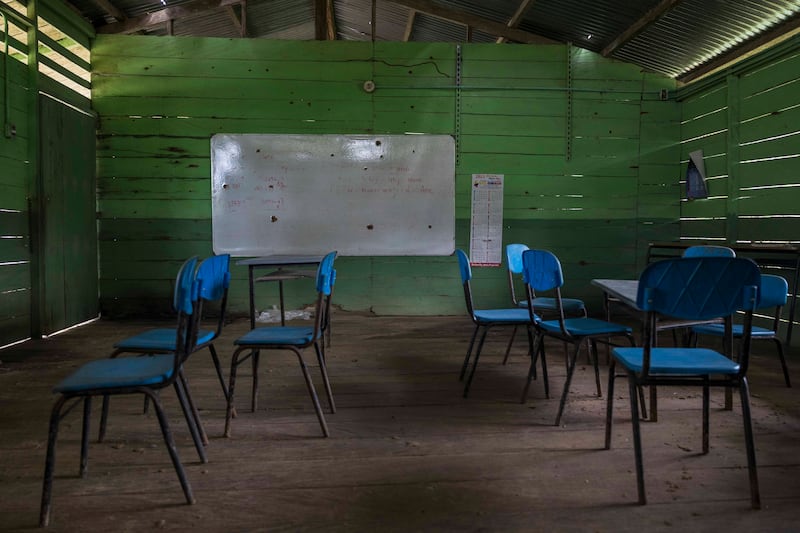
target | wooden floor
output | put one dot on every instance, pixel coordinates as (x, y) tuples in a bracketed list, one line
[(406, 452)]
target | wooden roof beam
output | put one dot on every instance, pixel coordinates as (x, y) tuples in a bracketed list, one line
[(412, 15), (640, 25), (161, 16), (516, 18), (479, 23), (111, 9), (324, 20), (239, 19)]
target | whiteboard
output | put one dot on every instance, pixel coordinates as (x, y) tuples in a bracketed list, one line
[(310, 194)]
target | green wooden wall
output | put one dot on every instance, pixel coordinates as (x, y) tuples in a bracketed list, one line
[(587, 146), (15, 254)]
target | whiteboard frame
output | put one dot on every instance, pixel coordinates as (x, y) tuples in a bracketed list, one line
[(362, 195)]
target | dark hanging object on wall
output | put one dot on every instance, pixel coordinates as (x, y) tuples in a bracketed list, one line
[(695, 177)]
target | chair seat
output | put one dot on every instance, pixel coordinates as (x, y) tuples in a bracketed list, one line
[(678, 361), (158, 340), (719, 330), (503, 316), (571, 306), (119, 372), (584, 327), (289, 335)]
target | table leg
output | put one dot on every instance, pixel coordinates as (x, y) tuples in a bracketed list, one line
[(280, 296)]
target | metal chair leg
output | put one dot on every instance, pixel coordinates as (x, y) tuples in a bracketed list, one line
[(744, 393), (510, 342), (195, 413), (610, 401), (475, 362), (231, 386), (87, 416), (218, 368), (565, 392), (190, 421), (254, 392), (324, 370), (312, 392), (171, 448), (469, 353), (101, 434), (785, 368), (49, 463), (637, 440)]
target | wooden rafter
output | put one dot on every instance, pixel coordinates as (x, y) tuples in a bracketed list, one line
[(239, 19), (111, 9), (474, 21), (412, 15), (640, 25), (162, 16), (516, 18)]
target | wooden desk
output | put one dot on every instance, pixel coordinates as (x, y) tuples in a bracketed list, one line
[(783, 259), (279, 262)]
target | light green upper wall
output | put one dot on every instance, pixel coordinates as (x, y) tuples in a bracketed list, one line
[(588, 149)]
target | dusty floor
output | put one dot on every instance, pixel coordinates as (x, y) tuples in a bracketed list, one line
[(406, 452)]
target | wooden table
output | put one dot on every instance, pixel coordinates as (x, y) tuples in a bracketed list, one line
[(280, 262)]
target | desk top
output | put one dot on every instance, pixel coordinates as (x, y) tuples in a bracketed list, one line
[(623, 289), (275, 260)]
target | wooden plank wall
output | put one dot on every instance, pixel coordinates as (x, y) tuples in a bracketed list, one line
[(159, 101), (15, 253), (746, 125)]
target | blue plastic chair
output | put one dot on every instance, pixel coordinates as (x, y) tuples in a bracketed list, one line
[(691, 289), (708, 250), (544, 304), (132, 375), (214, 279), (293, 338), (542, 272), (774, 294), (484, 319)]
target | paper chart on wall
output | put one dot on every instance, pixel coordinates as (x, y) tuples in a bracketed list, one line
[(486, 227)]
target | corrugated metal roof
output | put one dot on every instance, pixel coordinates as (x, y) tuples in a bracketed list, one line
[(686, 35)]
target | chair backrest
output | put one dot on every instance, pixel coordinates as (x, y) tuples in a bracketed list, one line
[(465, 270), (214, 279), (541, 270), (514, 262), (325, 281), (326, 275), (700, 288), (708, 250), (186, 298), (774, 291)]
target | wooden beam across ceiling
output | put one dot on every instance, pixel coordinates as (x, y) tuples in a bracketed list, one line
[(111, 9), (324, 23), (516, 18), (479, 23), (640, 25), (162, 16)]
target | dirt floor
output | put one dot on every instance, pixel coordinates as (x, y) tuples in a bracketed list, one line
[(407, 452)]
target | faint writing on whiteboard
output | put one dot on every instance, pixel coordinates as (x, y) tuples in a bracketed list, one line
[(486, 227), (381, 184)]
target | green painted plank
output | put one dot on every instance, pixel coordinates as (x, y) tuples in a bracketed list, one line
[(233, 70), (148, 167), (514, 106), (16, 249), (777, 73), (772, 229), (115, 108), (14, 197), (181, 127), (14, 278), (15, 173), (512, 125), (155, 188), (713, 100), (179, 250), (770, 102), (503, 68), (400, 121), (512, 163), (114, 46), (152, 208), (771, 126), (766, 202), (543, 53), (222, 89), (774, 172), (159, 230), (786, 147), (511, 144)]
